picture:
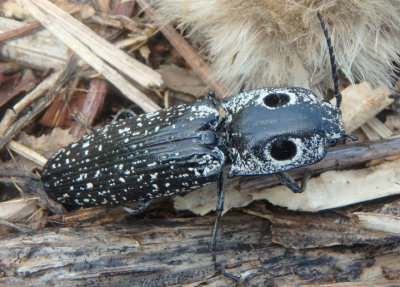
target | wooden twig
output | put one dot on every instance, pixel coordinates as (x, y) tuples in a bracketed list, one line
[(27, 153), (186, 51), (29, 27), (19, 31)]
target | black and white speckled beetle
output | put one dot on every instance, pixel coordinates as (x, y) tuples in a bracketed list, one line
[(175, 150), (179, 149)]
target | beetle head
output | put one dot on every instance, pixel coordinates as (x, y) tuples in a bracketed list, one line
[(272, 130)]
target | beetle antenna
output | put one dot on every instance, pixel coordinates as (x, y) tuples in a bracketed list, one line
[(338, 96)]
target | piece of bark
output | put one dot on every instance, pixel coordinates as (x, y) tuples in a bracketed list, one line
[(322, 229), (39, 49), (176, 251), (386, 219), (361, 103), (379, 127), (37, 100), (90, 107), (183, 80), (16, 210), (62, 109), (15, 84), (334, 189)]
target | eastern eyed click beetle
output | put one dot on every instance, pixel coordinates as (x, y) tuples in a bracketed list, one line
[(182, 148)]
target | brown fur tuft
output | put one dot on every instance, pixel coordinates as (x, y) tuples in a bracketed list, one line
[(258, 43)]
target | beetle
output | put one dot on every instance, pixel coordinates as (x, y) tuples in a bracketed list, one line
[(183, 148)]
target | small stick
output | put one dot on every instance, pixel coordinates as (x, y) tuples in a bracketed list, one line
[(29, 27), (27, 153)]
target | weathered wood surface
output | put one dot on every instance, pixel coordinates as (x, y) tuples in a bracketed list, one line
[(149, 252)]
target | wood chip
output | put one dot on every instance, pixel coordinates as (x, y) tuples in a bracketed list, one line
[(361, 103)]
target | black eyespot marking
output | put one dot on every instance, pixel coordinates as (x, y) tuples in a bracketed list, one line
[(276, 100), (283, 149)]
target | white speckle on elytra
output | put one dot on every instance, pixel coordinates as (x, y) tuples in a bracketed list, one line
[(121, 179), (85, 144), (100, 148), (124, 130), (89, 185)]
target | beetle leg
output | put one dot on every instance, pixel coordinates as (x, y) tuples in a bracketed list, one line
[(289, 181), (219, 209), (212, 97), (82, 123), (124, 114), (142, 206)]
